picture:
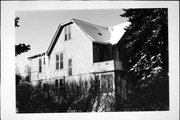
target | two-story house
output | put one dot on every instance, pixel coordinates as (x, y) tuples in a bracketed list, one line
[(79, 50)]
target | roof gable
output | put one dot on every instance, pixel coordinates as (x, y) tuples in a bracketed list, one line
[(95, 33), (56, 36)]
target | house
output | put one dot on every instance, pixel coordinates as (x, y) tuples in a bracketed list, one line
[(79, 50)]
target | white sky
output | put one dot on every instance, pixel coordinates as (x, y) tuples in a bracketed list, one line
[(37, 28)]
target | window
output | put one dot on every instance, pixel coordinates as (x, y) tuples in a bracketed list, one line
[(107, 83), (59, 83), (56, 83), (67, 32), (70, 67), (40, 65), (62, 83), (59, 61), (103, 84), (100, 52)]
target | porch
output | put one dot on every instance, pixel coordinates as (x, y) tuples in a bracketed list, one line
[(106, 66)]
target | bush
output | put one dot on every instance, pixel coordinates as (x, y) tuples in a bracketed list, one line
[(73, 97)]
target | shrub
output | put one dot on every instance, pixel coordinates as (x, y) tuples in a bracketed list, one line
[(73, 97)]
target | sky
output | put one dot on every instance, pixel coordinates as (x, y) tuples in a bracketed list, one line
[(37, 28)]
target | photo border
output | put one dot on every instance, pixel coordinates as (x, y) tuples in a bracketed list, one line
[(8, 102)]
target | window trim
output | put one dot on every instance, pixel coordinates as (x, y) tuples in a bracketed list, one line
[(59, 61), (59, 83), (67, 33)]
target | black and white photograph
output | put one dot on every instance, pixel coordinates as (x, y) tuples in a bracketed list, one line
[(92, 60)]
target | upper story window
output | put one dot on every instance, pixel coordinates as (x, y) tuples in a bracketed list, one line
[(59, 61), (40, 65), (102, 52), (67, 33)]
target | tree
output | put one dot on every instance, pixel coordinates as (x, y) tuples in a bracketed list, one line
[(18, 76), (27, 70), (21, 47), (146, 45), (17, 21)]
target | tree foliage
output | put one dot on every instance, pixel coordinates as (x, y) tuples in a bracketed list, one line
[(146, 45), (17, 21), (21, 47)]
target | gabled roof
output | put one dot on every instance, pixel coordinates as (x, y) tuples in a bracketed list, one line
[(95, 33)]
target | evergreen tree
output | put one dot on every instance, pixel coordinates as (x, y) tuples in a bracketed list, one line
[(146, 44)]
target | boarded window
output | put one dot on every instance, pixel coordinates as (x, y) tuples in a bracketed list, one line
[(40, 65), (70, 67)]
